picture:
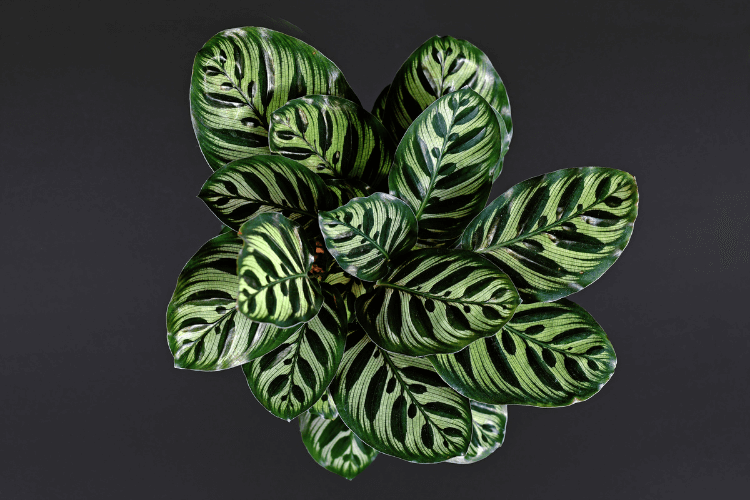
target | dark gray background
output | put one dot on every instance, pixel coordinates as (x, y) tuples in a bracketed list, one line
[(100, 172)]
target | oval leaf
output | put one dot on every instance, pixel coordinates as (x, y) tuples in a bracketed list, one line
[(273, 267), (443, 164), (291, 378), (334, 446), (205, 331), (549, 354), (557, 233), (324, 407), (440, 66), (333, 136), (366, 233), (240, 77), (379, 106), (437, 301), (399, 405), (245, 188), (488, 423)]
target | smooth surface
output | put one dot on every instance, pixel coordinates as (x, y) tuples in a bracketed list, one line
[(99, 213)]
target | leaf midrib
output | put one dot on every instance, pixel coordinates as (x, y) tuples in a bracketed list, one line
[(286, 278), (367, 237), (544, 346), (436, 297)]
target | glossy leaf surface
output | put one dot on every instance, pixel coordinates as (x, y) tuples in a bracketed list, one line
[(557, 233), (334, 446), (379, 106), (324, 407), (292, 377), (399, 405), (549, 354), (437, 301), (438, 67), (240, 77), (443, 164), (273, 267), (366, 233), (333, 136), (245, 188), (488, 423), (205, 330)]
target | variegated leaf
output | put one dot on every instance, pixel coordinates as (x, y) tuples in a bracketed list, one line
[(443, 164), (240, 77), (344, 190), (350, 288), (399, 405), (292, 377), (438, 67), (505, 143), (488, 423), (549, 354), (334, 446), (205, 331), (437, 301), (333, 136), (366, 233), (324, 407), (273, 267), (557, 233), (245, 188), (379, 106)]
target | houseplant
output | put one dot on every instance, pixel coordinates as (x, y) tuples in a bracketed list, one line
[(360, 281)]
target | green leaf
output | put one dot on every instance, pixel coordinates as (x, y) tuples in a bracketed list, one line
[(333, 136), (505, 145), (437, 301), (557, 233), (245, 188), (273, 268), (349, 287), (399, 405), (344, 190), (240, 77), (366, 233), (324, 407), (291, 378), (488, 423), (205, 331), (443, 163), (549, 354), (379, 107), (440, 66), (334, 446)]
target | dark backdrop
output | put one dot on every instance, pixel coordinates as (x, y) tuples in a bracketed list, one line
[(100, 172)]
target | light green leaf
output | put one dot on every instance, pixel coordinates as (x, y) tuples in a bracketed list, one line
[(240, 77), (349, 287), (291, 378), (344, 190), (379, 106), (205, 331), (245, 188), (334, 446), (443, 164), (324, 407), (273, 267), (557, 233), (488, 423), (332, 136), (437, 301), (440, 66), (505, 143), (549, 354), (366, 233), (399, 405)]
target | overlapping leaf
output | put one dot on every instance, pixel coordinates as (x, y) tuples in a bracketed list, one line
[(443, 164), (273, 267), (292, 377), (343, 190), (438, 67), (488, 423), (240, 77), (334, 446), (245, 188), (349, 287), (366, 233), (205, 331), (549, 354), (333, 136), (379, 106), (399, 405), (324, 407), (437, 301), (557, 233)]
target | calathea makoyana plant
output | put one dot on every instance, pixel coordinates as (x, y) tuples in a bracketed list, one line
[(360, 281)]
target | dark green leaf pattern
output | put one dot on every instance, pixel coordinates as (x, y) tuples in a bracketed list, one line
[(379, 106), (488, 423), (240, 77), (549, 354), (557, 233), (324, 407), (344, 190)]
